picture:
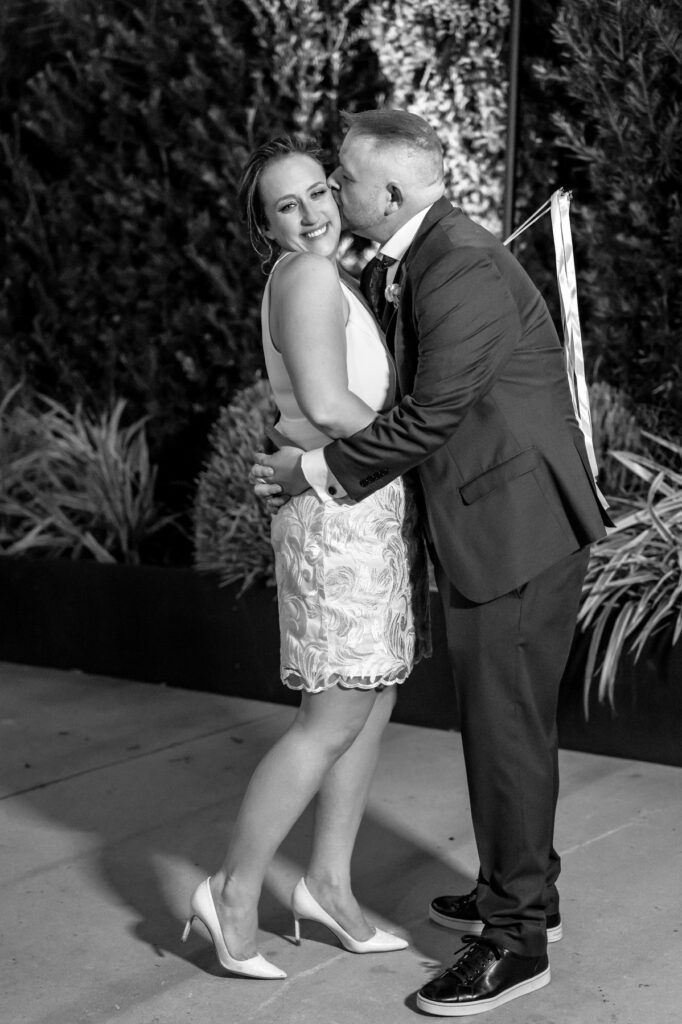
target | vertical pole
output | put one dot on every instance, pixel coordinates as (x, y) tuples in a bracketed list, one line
[(512, 118)]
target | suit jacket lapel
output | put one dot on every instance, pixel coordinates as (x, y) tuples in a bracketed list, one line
[(402, 343)]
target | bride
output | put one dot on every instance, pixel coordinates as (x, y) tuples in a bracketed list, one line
[(351, 579)]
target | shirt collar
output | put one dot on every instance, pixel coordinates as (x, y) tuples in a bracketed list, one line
[(400, 242)]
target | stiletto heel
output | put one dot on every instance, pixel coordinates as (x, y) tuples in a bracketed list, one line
[(305, 905), (201, 906)]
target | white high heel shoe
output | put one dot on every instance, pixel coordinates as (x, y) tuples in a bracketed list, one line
[(202, 906), (304, 905)]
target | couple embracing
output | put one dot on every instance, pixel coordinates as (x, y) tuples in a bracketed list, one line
[(446, 363)]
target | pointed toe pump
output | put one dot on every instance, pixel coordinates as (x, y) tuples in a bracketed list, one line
[(202, 907), (305, 906)]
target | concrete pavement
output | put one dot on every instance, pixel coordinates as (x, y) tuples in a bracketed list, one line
[(116, 798)]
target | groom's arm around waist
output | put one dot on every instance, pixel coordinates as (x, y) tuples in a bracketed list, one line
[(468, 325)]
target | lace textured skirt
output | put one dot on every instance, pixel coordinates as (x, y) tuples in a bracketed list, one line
[(352, 588)]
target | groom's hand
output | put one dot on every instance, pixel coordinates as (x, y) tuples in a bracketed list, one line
[(278, 474)]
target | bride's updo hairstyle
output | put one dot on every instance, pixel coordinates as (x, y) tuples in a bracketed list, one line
[(250, 200)]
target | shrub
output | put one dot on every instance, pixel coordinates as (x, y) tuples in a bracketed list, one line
[(620, 70), (633, 588), (614, 427), (231, 525), (443, 60), (72, 484), (127, 272), (542, 165), (123, 129), (313, 54)]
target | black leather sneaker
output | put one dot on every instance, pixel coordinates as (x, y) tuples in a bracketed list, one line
[(483, 976), (461, 914)]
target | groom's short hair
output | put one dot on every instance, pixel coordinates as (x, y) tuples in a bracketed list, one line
[(396, 127)]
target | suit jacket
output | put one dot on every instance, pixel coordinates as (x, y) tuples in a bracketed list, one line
[(487, 416)]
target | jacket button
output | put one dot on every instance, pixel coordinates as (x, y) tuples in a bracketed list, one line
[(332, 490)]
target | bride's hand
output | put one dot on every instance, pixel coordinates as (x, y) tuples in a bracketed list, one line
[(278, 474), (270, 494)]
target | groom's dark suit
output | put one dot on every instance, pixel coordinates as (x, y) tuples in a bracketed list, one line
[(511, 506)]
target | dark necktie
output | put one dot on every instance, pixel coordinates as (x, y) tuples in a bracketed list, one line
[(373, 283)]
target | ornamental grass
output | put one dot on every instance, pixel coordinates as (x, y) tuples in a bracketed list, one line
[(74, 484), (633, 588)]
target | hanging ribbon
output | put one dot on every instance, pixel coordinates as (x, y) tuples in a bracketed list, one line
[(558, 204), (540, 212)]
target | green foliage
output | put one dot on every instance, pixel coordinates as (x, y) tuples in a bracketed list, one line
[(542, 165), (614, 427), (71, 484), (231, 525), (123, 128), (127, 271), (621, 73), (443, 60), (633, 588), (308, 49)]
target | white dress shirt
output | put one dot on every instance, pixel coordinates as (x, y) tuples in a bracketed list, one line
[(313, 463)]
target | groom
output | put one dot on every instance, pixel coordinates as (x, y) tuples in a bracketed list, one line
[(511, 508)]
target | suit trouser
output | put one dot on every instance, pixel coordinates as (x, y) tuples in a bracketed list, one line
[(508, 657)]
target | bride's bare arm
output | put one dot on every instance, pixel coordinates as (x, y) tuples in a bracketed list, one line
[(307, 324)]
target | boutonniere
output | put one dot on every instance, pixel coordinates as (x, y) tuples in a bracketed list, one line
[(392, 293)]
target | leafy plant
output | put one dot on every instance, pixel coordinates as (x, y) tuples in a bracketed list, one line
[(231, 525), (614, 428), (444, 60), (620, 73), (633, 588), (71, 484), (123, 129), (308, 47)]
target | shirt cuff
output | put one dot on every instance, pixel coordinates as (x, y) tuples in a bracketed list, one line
[(318, 474)]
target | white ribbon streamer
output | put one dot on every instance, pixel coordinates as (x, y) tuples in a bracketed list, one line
[(559, 204), (540, 212)]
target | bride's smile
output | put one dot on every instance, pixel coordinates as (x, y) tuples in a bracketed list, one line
[(299, 206), (317, 233)]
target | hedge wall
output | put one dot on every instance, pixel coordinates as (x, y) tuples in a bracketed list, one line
[(600, 114), (123, 127), (126, 272)]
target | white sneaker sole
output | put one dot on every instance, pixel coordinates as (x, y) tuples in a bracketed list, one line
[(482, 1005), (476, 927)]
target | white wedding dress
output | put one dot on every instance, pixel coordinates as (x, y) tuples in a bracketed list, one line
[(351, 576)]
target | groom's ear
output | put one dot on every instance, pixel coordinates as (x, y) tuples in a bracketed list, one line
[(395, 198)]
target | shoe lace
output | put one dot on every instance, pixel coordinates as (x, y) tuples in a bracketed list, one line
[(476, 952)]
